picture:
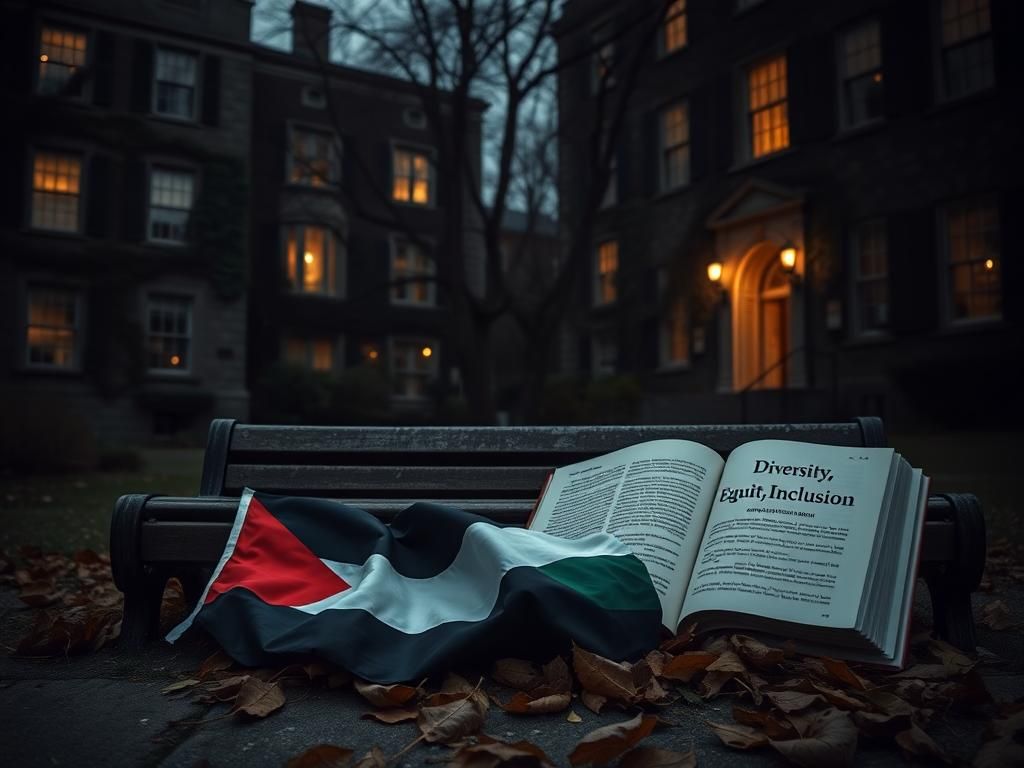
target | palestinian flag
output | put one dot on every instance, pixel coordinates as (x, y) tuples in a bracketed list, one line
[(437, 587)]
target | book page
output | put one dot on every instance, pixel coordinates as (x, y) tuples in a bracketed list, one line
[(791, 532), (654, 497)]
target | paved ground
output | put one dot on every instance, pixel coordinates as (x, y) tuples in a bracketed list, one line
[(107, 709)]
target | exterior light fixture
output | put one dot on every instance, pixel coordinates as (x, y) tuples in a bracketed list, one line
[(308, 257), (44, 58), (787, 256), (426, 352), (989, 263), (715, 272), (175, 361)]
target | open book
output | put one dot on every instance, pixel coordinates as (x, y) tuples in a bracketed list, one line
[(813, 543)]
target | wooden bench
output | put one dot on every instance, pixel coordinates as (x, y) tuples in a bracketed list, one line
[(493, 471)]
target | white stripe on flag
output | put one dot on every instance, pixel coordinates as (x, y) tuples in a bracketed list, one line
[(465, 591)]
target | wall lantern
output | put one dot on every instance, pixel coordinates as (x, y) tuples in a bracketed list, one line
[(715, 272), (787, 256)]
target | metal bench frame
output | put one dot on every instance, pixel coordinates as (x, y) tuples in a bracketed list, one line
[(493, 471)]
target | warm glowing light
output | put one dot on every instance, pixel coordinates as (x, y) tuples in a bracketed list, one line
[(373, 354), (989, 264), (175, 361), (308, 257), (715, 271), (878, 77), (44, 57), (426, 351), (788, 258)]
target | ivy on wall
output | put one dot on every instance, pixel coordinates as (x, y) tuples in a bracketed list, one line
[(219, 223)]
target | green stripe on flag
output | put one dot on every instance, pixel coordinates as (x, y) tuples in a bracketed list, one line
[(616, 583)]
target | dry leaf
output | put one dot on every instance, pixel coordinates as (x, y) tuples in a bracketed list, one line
[(657, 660), (322, 756), (257, 698), (952, 658), (181, 685), (391, 716), (452, 721), (713, 682), (557, 676), (683, 639), (572, 717), (767, 722), (924, 672), (593, 701), (39, 594), (728, 662), (879, 725), (604, 677), (524, 704), (609, 742), (793, 701), (385, 695), (493, 754), (756, 653), (454, 683), (516, 673), (841, 671), (830, 741), (739, 736), (889, 703), (1005, 746), (838, 698), (684, 666), (226, 688), (216, 662), (375, 758), (652, 757), (996, 615), (916, 743)]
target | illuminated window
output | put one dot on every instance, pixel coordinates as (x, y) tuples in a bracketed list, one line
[(312, 354), (409, 264), (674, 29), (971, 233), (61, 53), (310, 257), (169, 333), (606, 283), (411, 182), (56, 187), (313, 159), (604, 353), (860, 70), (675, 336), (675, 147), (767, 107), (414, 365), (174, 77), (52, 327), (966, 50), (171, 194), (870, 261)]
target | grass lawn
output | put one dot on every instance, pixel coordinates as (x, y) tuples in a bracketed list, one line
[(69, 512)]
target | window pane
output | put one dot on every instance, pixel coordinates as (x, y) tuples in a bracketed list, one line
[(675, 26), (769, 121), (411, 181), (55, 191), (51, 327), (61, 52), (323, 356), (170, 333), (175, 81), (313, 260), (972, 240)]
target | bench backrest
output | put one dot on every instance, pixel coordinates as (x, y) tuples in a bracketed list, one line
[(498, 468)]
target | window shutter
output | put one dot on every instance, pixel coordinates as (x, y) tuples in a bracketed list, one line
[(20, 44), (622, 185), (1007, 21), (812, 88), (652, 150), (15, 189), (142, 77), (103, 69), (907, 59), (211, 90), (699, 114), (726, 117), (913, 271), (99, 200), (136, 199)]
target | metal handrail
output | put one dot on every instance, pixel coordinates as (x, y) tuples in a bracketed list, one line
[(831, 355)]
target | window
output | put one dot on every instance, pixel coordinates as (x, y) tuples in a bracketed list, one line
[(966, 55), (604, 353), (171, 194), (408, 265), (860, 70), (606, 284), (674, 30), (767, 108), (971, 230), (870, 258), (56, 191), (61, 53), (169, 329), (675, 338), (52, 327), (314, 270), (313, 159), (174, 91), (413, 367), (311, 354), (411, 177), (675, 147)]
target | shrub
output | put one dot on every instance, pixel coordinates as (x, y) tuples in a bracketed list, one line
[(42, 433)]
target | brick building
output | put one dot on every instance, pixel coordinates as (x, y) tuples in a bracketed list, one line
[(849, 173), (123, 255)]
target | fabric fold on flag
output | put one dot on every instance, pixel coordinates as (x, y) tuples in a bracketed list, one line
[(438, 587)]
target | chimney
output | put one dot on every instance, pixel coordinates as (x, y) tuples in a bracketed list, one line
[(311, 26)]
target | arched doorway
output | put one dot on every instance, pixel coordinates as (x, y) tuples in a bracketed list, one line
[(761, 320)]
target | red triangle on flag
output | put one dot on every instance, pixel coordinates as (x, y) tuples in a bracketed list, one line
[(272, 563)]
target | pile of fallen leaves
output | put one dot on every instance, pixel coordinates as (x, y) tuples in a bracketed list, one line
[(811, 711)]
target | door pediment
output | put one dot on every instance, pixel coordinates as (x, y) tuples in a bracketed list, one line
[(753, 200)]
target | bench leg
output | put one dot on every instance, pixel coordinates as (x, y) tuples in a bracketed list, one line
[(193, 582), (950, 584), (141, 620)]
